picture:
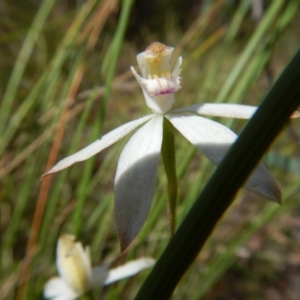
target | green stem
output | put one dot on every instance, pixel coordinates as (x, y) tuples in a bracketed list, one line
[(168, 157)]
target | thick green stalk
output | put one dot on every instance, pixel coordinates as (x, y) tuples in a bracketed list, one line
[(260, 132)]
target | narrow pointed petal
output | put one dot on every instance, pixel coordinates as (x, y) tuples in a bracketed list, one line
[(99, 276), (94, 148), (210, 137), (129, 269), (57, 289), (263, 182), (177, 70), (136, 178), (214, 140), (226, 110)]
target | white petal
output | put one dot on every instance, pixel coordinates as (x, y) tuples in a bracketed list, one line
[(226, 110), (159, 86), (85, 257), (135, 179), (161, 103), (261, 181), (177, 70), (94, 148), (129, 269), (73, 263), (57, 289), (214, 140), (99, 276)]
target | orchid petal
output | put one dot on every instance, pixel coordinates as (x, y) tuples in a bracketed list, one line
[(214, 140), (158, 93), (102, 143), (73, 263), (57, 289), (135, 179), (157, 86), (99, 276), (226, 110), (177, 70), (129, 269)]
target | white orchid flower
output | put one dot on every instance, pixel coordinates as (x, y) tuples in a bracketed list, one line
[(137, 167), (76, 274)]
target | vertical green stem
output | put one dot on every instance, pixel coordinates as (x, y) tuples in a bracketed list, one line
[(168, 156)]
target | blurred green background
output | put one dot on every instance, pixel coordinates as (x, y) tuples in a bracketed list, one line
[(65, 81)]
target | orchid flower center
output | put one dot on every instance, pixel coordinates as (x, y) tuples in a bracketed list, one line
[(73, 263), (157, 81), (157, 58)]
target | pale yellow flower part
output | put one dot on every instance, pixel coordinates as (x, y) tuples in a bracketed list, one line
[(73, 263), (76, 274)]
